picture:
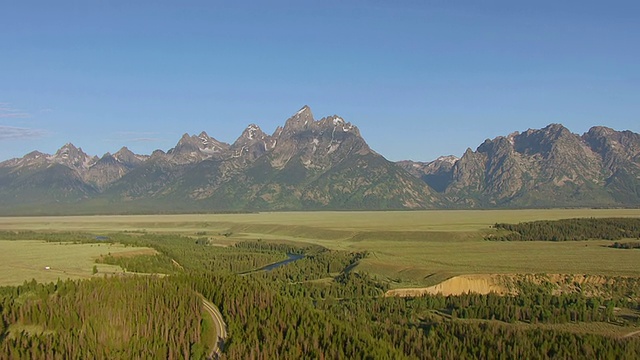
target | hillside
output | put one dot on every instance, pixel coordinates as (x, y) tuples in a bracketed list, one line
[(306, 164), (325, 164), (549, 167)]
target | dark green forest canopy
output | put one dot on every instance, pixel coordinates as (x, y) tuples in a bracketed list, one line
[(320, 306), (570, 230), (130, 317)]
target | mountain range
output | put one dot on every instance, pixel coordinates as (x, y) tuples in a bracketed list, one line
[(325, 164)]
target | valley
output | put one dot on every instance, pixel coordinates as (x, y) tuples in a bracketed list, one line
[(427, 246), (418, 284), (467, 185)]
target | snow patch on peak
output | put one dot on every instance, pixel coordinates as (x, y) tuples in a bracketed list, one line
[(451, 159), (251, 131), (204, 137), (303, 109), (511, 137), (338, 121)]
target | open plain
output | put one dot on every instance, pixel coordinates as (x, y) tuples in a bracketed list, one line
[(409, 249), (49, 261)]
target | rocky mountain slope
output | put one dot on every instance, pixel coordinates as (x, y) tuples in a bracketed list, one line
[(307, 164), (541, 168), (326, 164)]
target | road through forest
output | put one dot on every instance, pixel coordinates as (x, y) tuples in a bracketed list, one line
[(221, 328)]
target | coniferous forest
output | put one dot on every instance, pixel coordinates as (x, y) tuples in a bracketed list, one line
[(570, 230), (314, 307)]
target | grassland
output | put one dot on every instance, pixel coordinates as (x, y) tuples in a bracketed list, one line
[(434, 220), (29, 259), (418, 248)]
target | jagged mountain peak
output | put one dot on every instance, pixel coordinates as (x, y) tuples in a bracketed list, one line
[(321, 164), (187, 142), (124, 151), (195, 148), (34, 155), (31, 159), (317, 145), (203, 135), (608, 133), (253, 131), (451, 159), (619, 150), (67, 149), (603, 132), (548, 140), (304, 111), (299, 120), (549, 133), (600, 131), (337, 123), (540, 167), (157, 154), (73, 157), (557, 130), (127, 157), (194, 141), (251, 134), (252, 143)]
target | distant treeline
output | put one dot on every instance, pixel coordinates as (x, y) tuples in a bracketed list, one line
[(570, 230), (626, 245), (150, 264)]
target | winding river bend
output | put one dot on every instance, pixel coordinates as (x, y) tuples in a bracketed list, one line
[(291, 258)]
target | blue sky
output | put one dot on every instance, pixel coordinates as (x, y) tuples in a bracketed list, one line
[(419, 78)]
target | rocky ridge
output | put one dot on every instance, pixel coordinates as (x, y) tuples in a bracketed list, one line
[(326, 164), (306, 164), (542, 168)]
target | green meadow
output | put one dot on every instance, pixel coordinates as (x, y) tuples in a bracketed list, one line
[(49, 261), (410, 248)]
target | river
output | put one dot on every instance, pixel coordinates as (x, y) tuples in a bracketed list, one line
[(291, 258)]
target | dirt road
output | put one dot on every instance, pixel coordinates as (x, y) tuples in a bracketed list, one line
[(221, 328), (632, 334)]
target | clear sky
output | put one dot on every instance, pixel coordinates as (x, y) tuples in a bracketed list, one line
[(419, 78)]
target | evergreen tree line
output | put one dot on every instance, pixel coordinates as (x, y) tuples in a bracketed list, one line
[(278, 247), (62, 236), (326, 263), (149, 264), (570, 230), (539, 308), (420, 332), (104, 318), (626, 245), (271, 319), (196, 253)]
